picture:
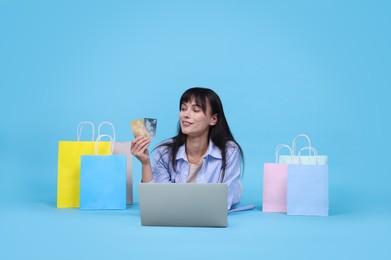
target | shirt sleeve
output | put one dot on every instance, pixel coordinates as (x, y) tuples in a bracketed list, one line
[(232, 176), (160, 166)]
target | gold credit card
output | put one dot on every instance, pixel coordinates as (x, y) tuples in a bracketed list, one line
[(138, 128)]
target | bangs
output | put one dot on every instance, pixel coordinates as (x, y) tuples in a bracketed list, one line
[(194, 94)]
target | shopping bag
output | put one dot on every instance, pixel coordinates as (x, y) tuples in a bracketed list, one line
[(103, 180), (275, 184), (307, 185), (304, 159), (122, 148), (68, 174)]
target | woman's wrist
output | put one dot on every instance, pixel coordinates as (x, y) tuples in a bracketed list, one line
[(146, 163), (146, 172)]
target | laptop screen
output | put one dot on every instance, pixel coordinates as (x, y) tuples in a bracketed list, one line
[(183, 204)]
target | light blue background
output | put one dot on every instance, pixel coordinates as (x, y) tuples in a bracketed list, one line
[(280, 67)]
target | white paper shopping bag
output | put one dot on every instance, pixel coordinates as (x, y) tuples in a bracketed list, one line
[(304, 159)]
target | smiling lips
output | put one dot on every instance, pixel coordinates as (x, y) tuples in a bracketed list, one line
[(186, 123)]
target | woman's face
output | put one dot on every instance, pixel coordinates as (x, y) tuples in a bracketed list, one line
[(193, 121)]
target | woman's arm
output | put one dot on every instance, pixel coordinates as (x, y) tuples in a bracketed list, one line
[(160, 166), (232, 175), (139, 148)]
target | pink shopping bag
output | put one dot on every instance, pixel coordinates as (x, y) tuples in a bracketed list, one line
[(274, 197)]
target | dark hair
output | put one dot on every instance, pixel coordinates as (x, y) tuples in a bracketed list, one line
[(219, 133)]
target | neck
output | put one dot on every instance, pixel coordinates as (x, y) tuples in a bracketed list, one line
[(196, 147)]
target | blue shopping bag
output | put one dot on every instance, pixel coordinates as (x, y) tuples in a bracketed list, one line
[(122, 148), (103, 181), (307, 192)]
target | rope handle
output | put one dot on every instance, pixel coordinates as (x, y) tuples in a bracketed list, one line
[(313, 150), (278, 147), (99, 139), (295, 140), (107, 123), (80, 129)]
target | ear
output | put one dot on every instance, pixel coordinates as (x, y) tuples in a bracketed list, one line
[(213, 120)]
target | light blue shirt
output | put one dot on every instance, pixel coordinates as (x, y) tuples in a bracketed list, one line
[(210, 172)]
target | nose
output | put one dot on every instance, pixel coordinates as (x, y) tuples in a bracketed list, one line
[(185, 113)]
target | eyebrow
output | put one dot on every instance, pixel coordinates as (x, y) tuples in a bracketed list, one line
[(193, 105)]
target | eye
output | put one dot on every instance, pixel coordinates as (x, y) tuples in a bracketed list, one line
[(196, 108)]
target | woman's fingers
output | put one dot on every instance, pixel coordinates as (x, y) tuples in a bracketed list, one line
[(139, 145), (145, 141), (136, 141), (139, 148)]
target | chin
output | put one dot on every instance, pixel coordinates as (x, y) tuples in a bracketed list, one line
[(185, 132)]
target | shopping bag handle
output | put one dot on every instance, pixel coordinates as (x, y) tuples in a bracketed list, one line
[(312, 150), (107, 123), (294, 143), (99, 139), (278, 147), (80, 128)]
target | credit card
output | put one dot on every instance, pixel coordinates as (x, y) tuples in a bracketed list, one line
[(150, 125), (138, 128)]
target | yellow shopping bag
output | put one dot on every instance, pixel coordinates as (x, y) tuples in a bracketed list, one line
[(69, 152)]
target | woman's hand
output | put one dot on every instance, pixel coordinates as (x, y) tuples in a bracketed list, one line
[(139, 148)]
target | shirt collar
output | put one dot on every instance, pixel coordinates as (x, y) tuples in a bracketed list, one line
[(213, 151)]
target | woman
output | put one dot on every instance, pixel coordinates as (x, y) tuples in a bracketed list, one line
[(203, 151)]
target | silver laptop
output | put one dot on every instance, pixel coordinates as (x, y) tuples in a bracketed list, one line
[(183, 204)]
